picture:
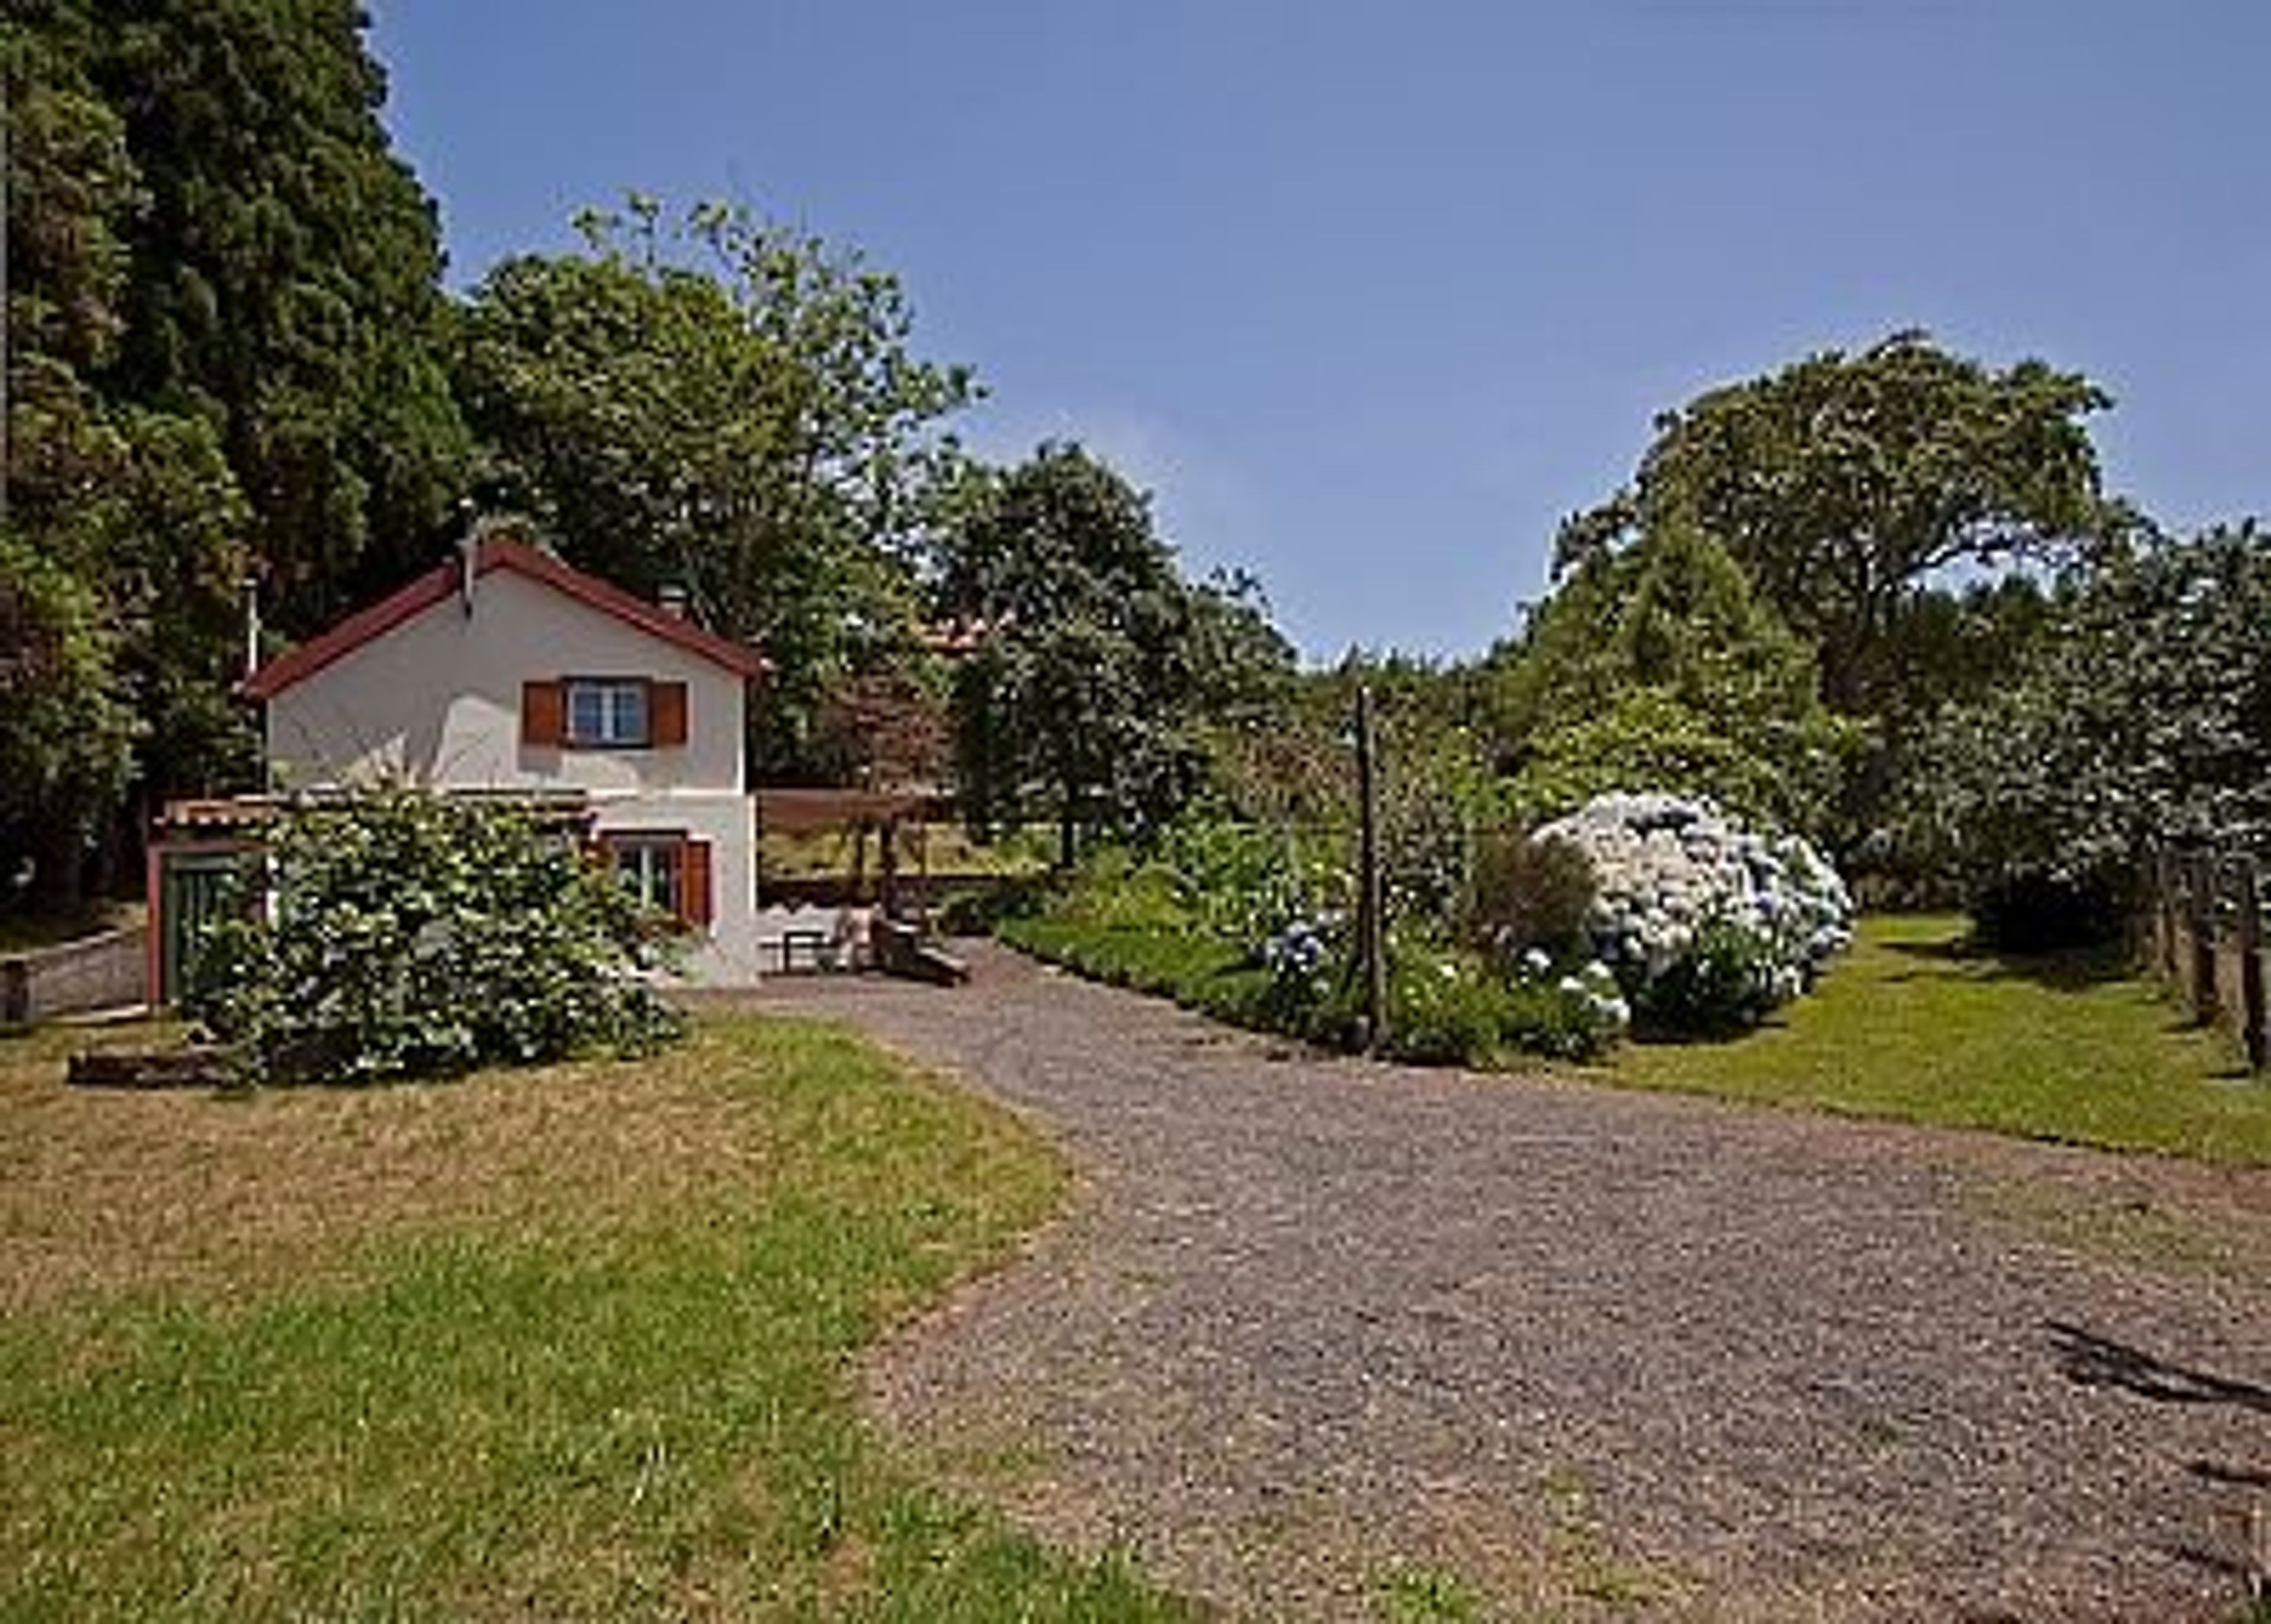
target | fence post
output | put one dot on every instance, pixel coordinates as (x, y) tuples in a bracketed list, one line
[(2251, 1033), (2201, 982), (2165, 917), (1371, 927)]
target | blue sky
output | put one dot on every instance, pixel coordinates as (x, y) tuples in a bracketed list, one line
[(1370, 294)]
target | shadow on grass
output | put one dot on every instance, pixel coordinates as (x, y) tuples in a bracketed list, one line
[(2072, 970), (1720, 1036)]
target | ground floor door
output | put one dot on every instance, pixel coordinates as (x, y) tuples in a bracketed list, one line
[(195, 884)]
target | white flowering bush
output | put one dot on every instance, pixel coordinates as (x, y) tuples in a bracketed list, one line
[(1706, 925), (411, 934)]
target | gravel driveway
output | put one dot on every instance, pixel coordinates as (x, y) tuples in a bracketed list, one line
[(1324, 1338)]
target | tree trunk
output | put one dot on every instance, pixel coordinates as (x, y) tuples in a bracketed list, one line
[(58, 869), (1068, 828)]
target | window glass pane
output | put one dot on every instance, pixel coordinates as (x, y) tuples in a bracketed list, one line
[(586, 711), (629, 714), (607, 711), (650, 869)]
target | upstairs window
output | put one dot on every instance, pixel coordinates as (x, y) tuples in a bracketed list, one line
[(607, 712), (603, 713)]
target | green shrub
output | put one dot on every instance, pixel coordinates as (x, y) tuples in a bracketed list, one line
[(1447, 1006), (1246, 883), (1115, 891), (1525, 893), (1726, 982), (981, 910), (1167, 928), (408, 935), (1440, 1011), (1195, 969), (1647, 739), (1707, 925)]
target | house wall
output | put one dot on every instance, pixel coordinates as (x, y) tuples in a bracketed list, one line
[(436, 701)]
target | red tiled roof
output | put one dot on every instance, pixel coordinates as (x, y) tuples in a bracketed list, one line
[(496, 553)]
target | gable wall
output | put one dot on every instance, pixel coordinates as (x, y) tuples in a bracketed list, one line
[(436, 701)]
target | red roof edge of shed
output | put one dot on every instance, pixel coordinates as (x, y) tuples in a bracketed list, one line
[(376, 620)]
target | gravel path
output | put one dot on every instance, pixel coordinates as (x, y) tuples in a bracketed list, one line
[(1320, 1335)]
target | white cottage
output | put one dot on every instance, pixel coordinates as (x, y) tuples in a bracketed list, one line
[(506, 671)]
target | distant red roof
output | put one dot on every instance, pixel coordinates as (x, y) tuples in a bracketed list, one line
[(491, 553)]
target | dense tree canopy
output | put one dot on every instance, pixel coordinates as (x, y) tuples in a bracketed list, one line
[(1657, 667), (123, 534), (1097, 662), (2146, 717), (1846, 485), (752, 429), (284, 284), (1895, 509), (1824, 594)]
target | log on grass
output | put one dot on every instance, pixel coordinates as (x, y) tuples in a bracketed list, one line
[(191, 1067)]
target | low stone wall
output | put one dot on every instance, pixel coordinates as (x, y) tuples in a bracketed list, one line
[(108, 971)]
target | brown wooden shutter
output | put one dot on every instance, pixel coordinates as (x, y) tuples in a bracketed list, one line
[(543, 713), (698, 905), (665, 712)]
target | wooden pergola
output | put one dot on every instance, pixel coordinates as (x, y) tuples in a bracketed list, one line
[(856, 812)]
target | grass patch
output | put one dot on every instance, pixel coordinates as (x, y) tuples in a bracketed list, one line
[(1418, 1595), (571, 1343), (1914, 1025)]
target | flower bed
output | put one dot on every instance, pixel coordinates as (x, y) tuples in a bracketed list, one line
[(1677, 921)]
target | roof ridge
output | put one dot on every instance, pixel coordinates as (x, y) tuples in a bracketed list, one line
[(492, 553)]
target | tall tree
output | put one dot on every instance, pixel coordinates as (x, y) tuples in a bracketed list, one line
[(284, 283), (120, 537), (2145, 716), (751, 427), (1657, 667), (1845, 485), (1096, 663)]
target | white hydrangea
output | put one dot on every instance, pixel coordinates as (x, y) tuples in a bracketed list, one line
[(1667, 865)]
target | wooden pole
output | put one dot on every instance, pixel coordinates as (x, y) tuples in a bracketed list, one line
[(922, 866), (2165, 916), (2252, 1033), (1371, 922), (886, 851), (2202, 900)]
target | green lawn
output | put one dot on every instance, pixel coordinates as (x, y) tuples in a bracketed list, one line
[(573, 1342), (1914, 1025)]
